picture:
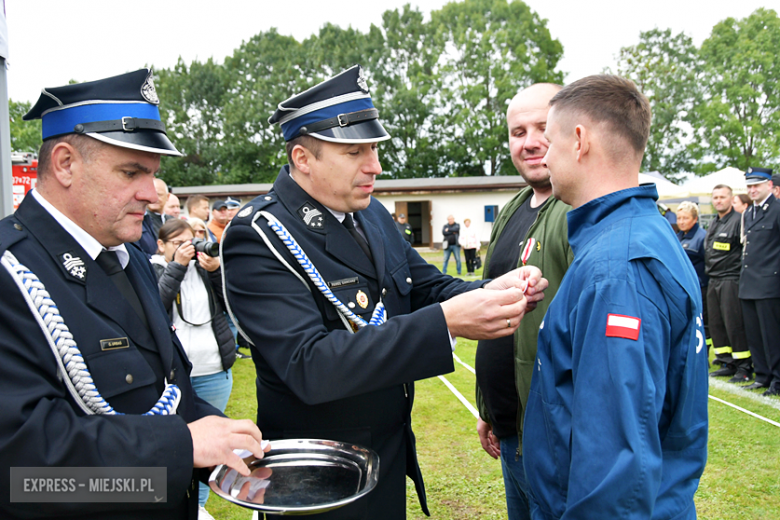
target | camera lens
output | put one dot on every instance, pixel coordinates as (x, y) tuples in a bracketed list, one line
[(205, 246)]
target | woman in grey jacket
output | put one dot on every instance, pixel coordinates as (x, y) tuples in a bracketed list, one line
[(190, 287)]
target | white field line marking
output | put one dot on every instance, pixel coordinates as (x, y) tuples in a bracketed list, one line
[(773, 423), (720, 385), (464, 364), (460, 397)]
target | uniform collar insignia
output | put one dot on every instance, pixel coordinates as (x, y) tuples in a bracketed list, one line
[(74, 265), (148, 91), (311, 216), (245, 212), (765, 207)]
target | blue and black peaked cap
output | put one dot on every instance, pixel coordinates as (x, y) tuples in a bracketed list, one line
[(120, 110), (757, 175), (338, 110)]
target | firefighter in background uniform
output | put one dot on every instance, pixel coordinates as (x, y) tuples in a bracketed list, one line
[(405, 228), (759, 280), (722, 262)]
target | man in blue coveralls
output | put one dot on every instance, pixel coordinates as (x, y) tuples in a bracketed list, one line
[(616, 423)]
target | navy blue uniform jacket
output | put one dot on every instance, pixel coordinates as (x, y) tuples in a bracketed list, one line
[(40, 424), (314, 378), (760, 276)]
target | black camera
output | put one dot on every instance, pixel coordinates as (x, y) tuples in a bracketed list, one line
[(205, 246)]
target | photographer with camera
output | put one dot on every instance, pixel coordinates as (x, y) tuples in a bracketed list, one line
[(190, 285)]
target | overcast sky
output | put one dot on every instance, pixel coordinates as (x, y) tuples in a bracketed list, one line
[(53, 41)]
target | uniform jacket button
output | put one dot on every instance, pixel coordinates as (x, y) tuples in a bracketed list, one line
[(384, 292), (171, 377), (129, 379), (409, 281), (17, 226)]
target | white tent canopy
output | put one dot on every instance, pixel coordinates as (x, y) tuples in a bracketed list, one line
[(666, 189), (731, 177)]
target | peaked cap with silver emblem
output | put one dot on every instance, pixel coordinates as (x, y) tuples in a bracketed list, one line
[(120, 110), (757, 175), (338, 110)]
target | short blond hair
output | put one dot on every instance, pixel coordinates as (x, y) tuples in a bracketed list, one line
[(690, 207)]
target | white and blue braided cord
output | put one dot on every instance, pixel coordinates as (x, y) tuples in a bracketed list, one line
[(71, 364), (379, 315)]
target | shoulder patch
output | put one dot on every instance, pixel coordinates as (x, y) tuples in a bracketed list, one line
[(619, 326), (245, 212)]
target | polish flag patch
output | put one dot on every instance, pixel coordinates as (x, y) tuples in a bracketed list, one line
[(619, 326), (529, 246)]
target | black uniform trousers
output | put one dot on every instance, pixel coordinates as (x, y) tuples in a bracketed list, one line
[(471, 257), (762, 327), (727, 327)]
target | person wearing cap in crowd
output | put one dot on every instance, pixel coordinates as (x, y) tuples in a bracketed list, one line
[(222, 212), (77, 394), (172, 207), (616, 421), (198, 207), (759, 280), (347, 316), (722, 262), (405, 228)]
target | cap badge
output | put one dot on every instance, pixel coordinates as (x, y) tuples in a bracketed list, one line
[(244, 212), (750, 170), (147, 90), (361, 81), (74, 265), (311, 216), (361, 299)]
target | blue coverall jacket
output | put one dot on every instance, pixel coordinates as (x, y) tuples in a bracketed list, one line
[(616, 423)]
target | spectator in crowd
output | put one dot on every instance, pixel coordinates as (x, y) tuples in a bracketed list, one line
[(173, 206), (154, 219), (198, 207), (759, 281), (469, 241), (741, 202), (616, 423), (125, 399), (691, 236), (190, 286), (199, 228), (222, 212), (451, 232), (723, 260), (776, 186), (405, 228), (533, 217)]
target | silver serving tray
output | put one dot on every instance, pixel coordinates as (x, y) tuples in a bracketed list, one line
[(300, 477)]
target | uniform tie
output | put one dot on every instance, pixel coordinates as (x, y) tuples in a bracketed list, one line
[(350, 225), (109, 261)]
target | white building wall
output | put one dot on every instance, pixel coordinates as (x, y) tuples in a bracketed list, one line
[(460, 205)]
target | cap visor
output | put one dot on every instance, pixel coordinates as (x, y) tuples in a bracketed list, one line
[(750, 181), (152, 142), (366, 132)]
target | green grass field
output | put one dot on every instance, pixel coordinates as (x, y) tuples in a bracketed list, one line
[(741, 481)]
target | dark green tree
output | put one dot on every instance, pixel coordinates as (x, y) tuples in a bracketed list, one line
[(740, 118), (668, 70), (492, 49), (25, 135)]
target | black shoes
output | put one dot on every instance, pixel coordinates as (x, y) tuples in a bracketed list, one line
[(773, 390), (742, 376), (727, 370), (241, 355), (754, 386)]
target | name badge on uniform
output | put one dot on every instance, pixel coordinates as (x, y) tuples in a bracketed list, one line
[(344, 281), (721, 246), (114, 344)]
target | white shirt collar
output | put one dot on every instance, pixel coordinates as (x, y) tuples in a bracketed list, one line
[(85, 240)]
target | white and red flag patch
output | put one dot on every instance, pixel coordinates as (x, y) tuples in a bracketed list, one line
[(619, 326)]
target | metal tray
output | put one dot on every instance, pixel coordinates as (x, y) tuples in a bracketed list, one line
[(300, 477)]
